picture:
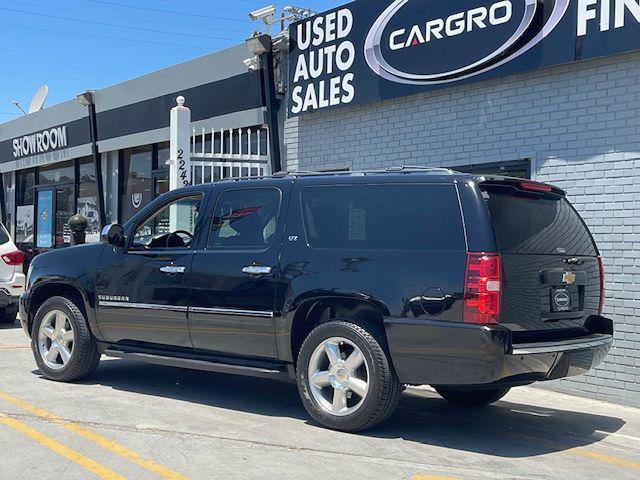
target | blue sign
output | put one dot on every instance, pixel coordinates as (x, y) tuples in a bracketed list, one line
[(44, 213), (371, 50)]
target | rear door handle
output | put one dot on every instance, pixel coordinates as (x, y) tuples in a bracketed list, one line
[(257, 270), (172, 269)]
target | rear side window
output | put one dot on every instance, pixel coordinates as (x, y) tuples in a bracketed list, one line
[(533, 224), (383, 217), (4, 236), (245, 219)]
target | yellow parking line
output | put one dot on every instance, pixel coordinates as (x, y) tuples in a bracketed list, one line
[(584, 453), (14, 347), (60, 449), (605, 458), (110, 445)]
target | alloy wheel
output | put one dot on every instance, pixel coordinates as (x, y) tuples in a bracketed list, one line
[(338, 376), (56, 340)]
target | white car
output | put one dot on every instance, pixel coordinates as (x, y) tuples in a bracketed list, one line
[(12, 277)]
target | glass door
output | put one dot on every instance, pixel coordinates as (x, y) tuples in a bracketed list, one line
[(44, 218), (55, 205), (65, 209)]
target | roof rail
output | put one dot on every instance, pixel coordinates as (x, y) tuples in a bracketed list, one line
[(403, 168), (286, 173)]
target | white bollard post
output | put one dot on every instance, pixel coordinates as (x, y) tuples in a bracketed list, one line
[(180, 151), (179, 161)]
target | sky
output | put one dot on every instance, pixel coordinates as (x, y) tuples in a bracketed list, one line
[(75, 45)]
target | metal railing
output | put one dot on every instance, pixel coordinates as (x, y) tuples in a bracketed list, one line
[(217, 154)]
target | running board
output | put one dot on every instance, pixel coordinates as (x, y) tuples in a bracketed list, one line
[(194, 364)]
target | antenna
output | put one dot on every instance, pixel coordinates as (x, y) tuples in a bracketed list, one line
[(38, 99)]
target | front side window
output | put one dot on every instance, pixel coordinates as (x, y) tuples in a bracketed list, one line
[(383, 217), (173, 226), (245, 218)]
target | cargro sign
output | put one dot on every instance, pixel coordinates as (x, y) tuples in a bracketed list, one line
[(371, 50)]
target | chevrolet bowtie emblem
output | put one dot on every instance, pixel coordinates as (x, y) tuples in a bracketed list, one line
[(569, 278)]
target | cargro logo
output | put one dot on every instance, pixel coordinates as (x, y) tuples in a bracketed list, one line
[(430, 42)]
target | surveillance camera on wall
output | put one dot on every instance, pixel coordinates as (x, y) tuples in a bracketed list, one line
[(262, 13), (252, 64)]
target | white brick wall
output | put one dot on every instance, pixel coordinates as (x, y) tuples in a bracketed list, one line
[(580, 125)]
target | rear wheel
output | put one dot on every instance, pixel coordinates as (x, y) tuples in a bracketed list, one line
[(62, 343), (345, 378), (8, 316), (472, 398)]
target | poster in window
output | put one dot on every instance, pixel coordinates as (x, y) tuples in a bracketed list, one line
[(24, 224), (44, 211), (88, 208)]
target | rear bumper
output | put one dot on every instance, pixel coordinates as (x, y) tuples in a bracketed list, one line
[(446, 354), (11, 289)]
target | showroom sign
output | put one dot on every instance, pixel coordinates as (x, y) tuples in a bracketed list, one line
[(40, 142), (371, 50)]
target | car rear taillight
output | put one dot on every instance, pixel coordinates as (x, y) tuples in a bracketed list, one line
[(535, 187), (13, 258), (482, 288), (602, 288)]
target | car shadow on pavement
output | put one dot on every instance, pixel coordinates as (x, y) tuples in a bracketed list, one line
[(505, 429), (10, 326)]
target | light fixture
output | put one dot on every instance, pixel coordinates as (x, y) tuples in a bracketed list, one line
[(259, 43), (85, 99), (16, 104)]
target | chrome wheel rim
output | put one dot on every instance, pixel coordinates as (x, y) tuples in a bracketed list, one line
[(56, 340), (338, 376)]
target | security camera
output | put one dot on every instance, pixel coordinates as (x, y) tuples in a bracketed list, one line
[(252, 64), (262, 13)]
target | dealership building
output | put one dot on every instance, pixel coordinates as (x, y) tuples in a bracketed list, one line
[(547, 90)]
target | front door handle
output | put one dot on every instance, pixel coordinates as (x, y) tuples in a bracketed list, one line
[(172, 269), (257, 270)]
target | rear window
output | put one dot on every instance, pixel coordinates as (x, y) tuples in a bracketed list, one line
[(533, 224), (4, 236), (383, 217)]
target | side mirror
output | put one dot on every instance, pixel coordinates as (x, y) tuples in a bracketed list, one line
[(113, 235)]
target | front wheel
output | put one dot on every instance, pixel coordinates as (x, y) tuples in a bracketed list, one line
[(345, 378), (62, 344), (472, 398)]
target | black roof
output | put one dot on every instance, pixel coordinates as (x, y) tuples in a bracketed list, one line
[(392, 174)]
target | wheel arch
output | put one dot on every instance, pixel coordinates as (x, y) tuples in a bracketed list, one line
[(313, 310), (46, 289)]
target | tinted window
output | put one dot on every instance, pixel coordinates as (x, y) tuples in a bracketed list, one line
[(537, 225), (387, 217), (245, 218)]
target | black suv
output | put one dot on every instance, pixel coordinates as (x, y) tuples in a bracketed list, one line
[(352, 284)]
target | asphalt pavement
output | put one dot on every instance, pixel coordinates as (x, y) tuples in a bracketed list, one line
[(139, 421)]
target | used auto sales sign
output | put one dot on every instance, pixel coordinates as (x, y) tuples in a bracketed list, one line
[(372, 50)]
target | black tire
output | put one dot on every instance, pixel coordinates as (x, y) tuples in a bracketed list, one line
[(472, 398), (85, 355), (7, 316), (384, 389)]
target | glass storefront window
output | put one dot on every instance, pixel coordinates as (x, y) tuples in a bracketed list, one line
[(25, 181), (88, 198), (137, 175), (164, 153), (25, 196), (57, 173)]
